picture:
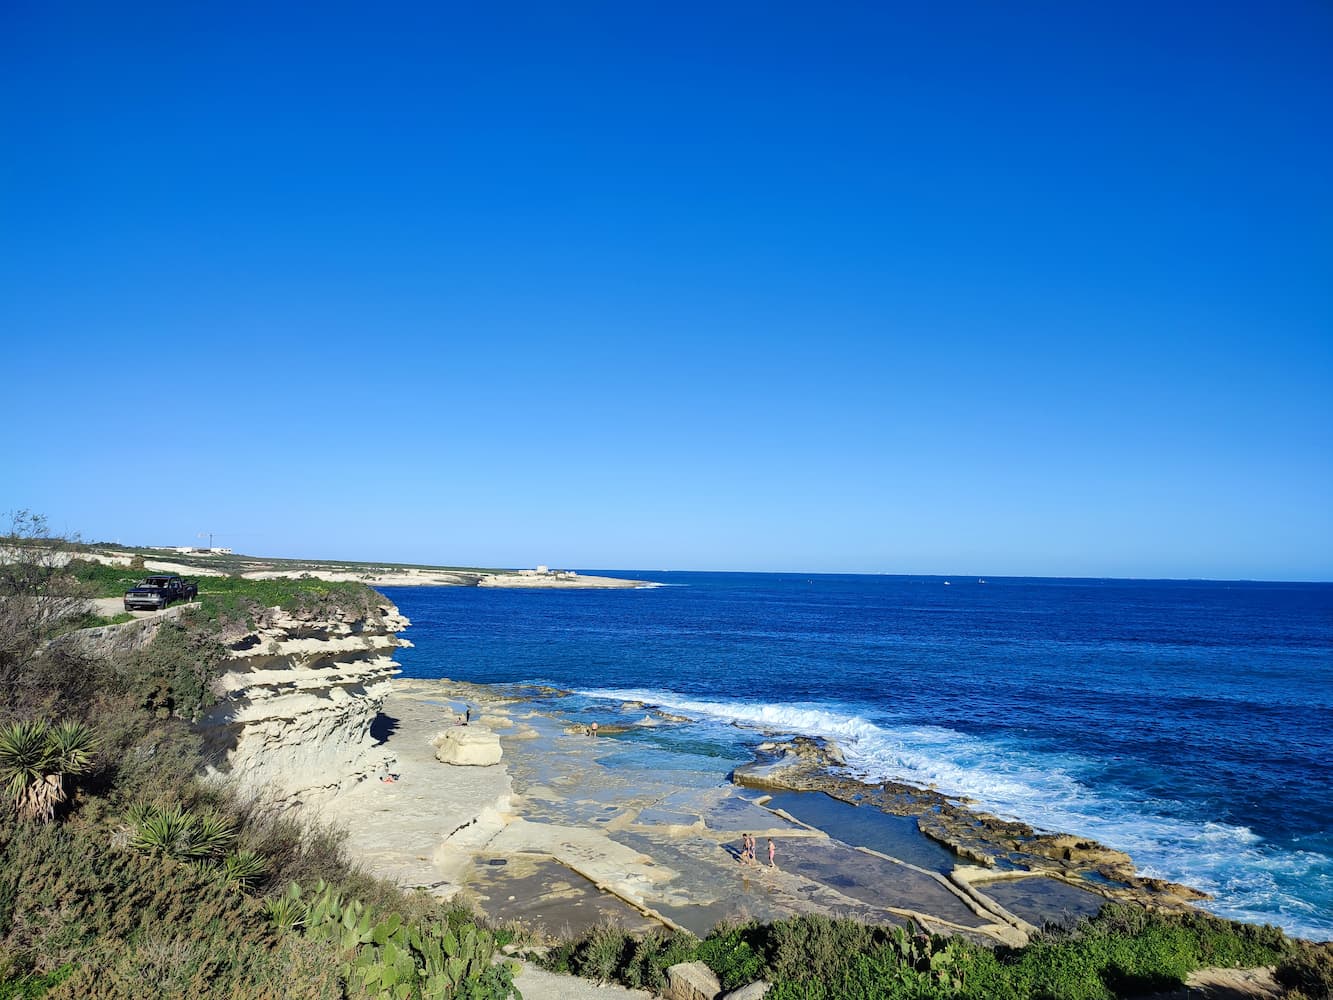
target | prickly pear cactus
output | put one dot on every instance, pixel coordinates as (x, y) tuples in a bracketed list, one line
[(391, 960)]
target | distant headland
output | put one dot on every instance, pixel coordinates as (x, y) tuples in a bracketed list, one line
[(186, 561)]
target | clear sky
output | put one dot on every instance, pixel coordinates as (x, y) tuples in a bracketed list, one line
[(995, 289)]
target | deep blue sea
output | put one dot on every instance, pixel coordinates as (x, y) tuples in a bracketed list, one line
[(1188, 723)]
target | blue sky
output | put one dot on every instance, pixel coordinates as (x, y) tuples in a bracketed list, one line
[(997, 289)]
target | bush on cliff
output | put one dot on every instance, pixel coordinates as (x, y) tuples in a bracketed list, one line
[(734, 952), (1308, 971), (116, 917), (1125, 952)]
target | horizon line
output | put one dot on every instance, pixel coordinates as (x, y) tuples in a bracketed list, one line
[(756, 572)]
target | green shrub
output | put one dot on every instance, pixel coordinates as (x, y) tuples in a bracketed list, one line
[(1127, 951), (604, 952), (101, 580), (982, 976), (875, 975), (1308, 968), (144, 758), (244, 869), (730, 951), (26, 985), (119, 916), (811, 946), (652, 955), (236, 601), (172, 676), (608, 954), (179, 833), (559, 958)]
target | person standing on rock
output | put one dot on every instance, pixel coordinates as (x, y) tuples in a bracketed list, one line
[(467, 714), (593, 729), (772, 851)]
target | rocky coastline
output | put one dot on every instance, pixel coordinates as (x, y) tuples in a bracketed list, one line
[(999, 849), (529, 817), (310, 713)]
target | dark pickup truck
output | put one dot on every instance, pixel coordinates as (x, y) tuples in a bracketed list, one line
[(156, 592)]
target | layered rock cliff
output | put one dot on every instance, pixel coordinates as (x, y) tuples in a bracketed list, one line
[(296, 698)]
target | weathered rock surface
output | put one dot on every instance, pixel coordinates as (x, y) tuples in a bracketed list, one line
[(804, 764), (755, 991), (297, 698), (468, 746), (692, 981)]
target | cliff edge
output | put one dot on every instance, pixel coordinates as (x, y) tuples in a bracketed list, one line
[(296, 696)]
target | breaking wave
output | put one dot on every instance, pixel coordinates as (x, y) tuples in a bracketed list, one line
[(1061, 792)]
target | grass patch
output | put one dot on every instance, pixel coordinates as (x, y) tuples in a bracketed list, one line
[(228, 600), (235, 599), (26, 985), (101, 580)]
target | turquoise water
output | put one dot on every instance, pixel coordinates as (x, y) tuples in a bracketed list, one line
[(1188, 723)]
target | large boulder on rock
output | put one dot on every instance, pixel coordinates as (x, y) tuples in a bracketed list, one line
[(691, 981), (471, 746), (1083, 854), (799, 764)]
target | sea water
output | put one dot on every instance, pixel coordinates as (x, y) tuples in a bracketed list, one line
[(1188, 723)]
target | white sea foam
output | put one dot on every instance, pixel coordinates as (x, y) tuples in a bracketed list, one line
[(1051, 791)]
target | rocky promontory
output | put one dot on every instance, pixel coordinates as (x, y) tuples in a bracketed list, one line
[(1001, 848)]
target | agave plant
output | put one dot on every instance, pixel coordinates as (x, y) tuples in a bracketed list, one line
[(139, 813), (35, 760), (288, 911), (176, 831), (73, 745), (244, 869), (213, 836), (163, 830)]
